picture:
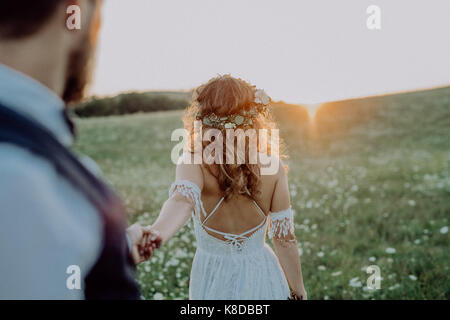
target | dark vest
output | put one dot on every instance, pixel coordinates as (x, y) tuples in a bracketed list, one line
[(112, 277)]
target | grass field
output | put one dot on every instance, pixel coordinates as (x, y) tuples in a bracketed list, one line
[(369, 180)]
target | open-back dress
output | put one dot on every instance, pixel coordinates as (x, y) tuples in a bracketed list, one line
[(241, 266)]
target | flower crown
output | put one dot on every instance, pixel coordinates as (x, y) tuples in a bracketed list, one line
[(241, 119)]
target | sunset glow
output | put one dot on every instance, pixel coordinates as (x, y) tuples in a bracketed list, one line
[(312, 109), (298, 51)]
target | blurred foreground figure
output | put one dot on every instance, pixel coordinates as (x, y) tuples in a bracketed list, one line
[(62, 230)]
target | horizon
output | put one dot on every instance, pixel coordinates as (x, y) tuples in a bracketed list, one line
[(181, 91), (311, 108)]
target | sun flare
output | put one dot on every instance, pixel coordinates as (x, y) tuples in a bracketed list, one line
[(312, 109)]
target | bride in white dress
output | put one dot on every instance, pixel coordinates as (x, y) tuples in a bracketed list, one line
[(233, 206)]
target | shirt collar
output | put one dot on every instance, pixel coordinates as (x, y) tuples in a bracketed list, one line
[(29, 97)]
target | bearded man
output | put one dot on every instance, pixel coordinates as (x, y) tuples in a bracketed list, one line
[(58, 220)]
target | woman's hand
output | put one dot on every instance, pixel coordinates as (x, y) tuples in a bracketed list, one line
[(301, 294), (153, 240)]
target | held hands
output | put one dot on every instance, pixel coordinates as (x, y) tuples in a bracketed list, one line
[(144, 240), (299, 295)]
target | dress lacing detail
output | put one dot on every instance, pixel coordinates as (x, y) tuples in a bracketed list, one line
[(191, 191)]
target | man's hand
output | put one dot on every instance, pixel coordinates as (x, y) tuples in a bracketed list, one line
[(143, 242)]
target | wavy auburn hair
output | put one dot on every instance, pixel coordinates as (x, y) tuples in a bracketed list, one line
[(224, 96)]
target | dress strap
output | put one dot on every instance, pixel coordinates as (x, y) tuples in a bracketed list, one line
[(259, 209), (214, 210), (255, 228)]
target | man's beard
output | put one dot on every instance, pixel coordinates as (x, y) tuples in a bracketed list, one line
[(79, 73)]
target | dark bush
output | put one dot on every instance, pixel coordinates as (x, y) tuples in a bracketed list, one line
[(128, 103)]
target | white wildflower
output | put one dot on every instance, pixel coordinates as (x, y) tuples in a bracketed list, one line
[(395, 286), (157, 283), (355, 283), (390, 250), (261, 97), (158, 296)]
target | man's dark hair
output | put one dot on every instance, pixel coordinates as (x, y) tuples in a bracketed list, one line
[(22, 18)]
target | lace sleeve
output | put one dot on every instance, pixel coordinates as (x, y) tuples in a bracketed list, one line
[(281, 224), (189, 190)]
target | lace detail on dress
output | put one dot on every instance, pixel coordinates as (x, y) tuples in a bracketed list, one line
[(232, 244), (281, 224), (236, 241), (191, 191)]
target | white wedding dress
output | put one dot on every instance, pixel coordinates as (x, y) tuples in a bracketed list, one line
[(242, 267)]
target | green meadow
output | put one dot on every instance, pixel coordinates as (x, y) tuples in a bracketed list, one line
[(369, 181)]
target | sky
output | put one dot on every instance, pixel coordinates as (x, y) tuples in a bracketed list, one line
[(299, 51)]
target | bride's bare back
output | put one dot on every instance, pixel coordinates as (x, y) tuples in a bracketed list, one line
[(238, 214)]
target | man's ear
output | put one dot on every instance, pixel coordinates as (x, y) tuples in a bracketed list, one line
[(96, 20)]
